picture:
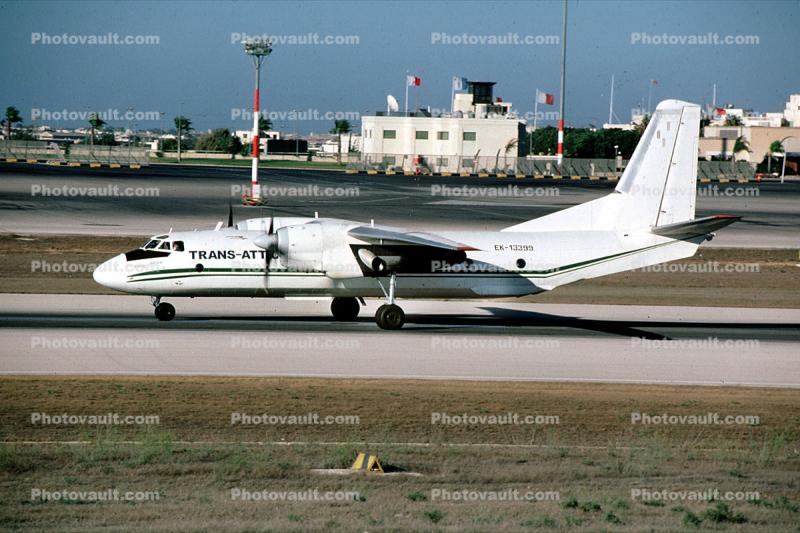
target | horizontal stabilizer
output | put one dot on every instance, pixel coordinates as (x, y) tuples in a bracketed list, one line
[(695, 228)]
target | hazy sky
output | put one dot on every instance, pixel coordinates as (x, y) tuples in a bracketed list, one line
[(196, 69)]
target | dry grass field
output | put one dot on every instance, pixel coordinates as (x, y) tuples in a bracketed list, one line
[(590, 471)]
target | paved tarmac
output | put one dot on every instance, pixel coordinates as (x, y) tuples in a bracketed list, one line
[(73, 334)]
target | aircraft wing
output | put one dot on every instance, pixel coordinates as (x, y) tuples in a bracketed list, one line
[(383, 235)]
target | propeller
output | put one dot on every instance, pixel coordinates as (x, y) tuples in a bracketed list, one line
[(269, 242)]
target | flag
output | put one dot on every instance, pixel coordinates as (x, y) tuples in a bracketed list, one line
[(720, 111), (413, 81), (459, 84), (544, 98)]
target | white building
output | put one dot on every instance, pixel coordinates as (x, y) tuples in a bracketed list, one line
[(479, 131), (792, 111), (350, 141), (246, 136)]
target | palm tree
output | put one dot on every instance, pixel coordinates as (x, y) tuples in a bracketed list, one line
[(739, 145), (339, 127), (182, 124), (96, 123), (12, 116), (264, 124), (512, 144), (775, 147), (733, 120)]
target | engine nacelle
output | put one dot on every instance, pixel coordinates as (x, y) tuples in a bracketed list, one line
[(315, 246), (300, 247)]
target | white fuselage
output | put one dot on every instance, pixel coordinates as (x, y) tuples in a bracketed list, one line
[(227, 262)]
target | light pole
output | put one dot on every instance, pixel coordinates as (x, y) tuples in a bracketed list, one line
[(783, 166), (561, 95), (258, 50)]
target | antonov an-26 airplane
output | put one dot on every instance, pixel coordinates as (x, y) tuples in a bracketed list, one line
[(649, 218)]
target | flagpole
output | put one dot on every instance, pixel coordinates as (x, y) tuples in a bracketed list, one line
[(405, 107), (535, 108), (452, 93)]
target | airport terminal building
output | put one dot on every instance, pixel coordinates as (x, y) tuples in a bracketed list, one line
[(480, 132)]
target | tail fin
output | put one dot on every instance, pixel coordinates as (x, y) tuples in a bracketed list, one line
[(659, 184)]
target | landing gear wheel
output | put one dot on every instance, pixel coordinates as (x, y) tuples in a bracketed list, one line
[(390, 316), (345, 309), (165, 312)]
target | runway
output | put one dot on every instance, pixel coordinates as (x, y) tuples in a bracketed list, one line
[(72, 334), (187, 197)]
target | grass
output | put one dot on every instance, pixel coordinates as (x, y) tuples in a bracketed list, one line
[(195, 457)]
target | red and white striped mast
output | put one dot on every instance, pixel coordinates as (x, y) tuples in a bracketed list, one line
[(257, 49), (561, 95)]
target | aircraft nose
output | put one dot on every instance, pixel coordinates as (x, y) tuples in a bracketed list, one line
[(112, 273)]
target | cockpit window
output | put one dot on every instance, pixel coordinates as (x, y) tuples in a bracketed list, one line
[(151, 245), (177, 246), (164, 246)]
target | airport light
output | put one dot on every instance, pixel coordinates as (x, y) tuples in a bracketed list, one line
[(783, 166), (257, 49)]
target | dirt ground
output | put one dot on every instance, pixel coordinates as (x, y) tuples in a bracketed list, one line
[(591, 469), (733, 277)]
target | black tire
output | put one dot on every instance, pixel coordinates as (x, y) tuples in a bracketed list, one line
[(390, 317), (345, 309), (165, 312)]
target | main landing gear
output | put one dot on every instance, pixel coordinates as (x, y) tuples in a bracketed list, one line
[(163, 311), (389, 315)]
